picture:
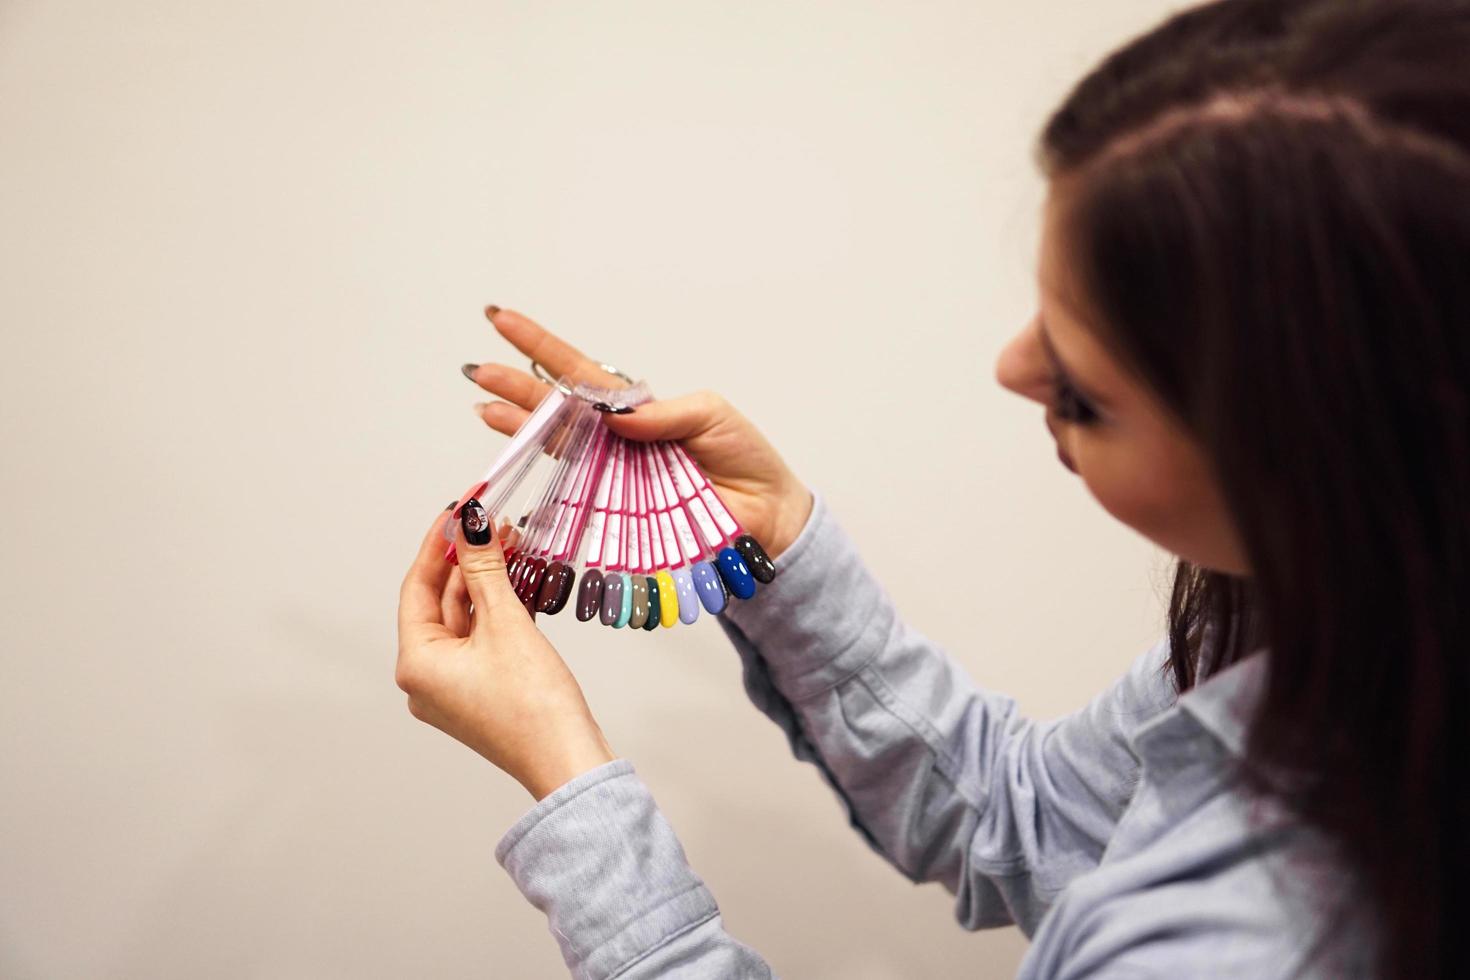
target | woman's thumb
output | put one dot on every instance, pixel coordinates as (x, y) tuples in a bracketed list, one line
[(673, 418), (482, 561)]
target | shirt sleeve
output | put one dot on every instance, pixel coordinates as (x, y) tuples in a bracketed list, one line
[(599, 858), (946, 781)]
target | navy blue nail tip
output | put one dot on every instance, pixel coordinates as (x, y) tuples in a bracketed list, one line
[(735, 573)]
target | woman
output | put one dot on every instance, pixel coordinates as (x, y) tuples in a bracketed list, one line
[(1253, 346)]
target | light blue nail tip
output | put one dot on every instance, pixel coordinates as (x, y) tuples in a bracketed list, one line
[(686, 593), (707, 583), (735, 573)]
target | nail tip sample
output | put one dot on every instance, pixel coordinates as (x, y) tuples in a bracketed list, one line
[(736, 575), (762, 569), (710, 587), (688, 595), (589, 595)]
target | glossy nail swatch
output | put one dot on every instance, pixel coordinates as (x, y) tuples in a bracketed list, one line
[(640, 603), (625, 608), (668, 599), (736, 575), (655, 600), (762, 569), (688, 598), (612, 599), (707, 582), (556, 588), (589, 595), (475, 521)]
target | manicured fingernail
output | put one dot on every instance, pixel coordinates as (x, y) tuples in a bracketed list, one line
[(589, 596), (480, 407), (491, 310), (556, 588), (612, 599), (688, 597), (735, 573), (468, 370), (668, 599), (475, 521), (756, 559), (655, 612), (451, 505), (707, 581)]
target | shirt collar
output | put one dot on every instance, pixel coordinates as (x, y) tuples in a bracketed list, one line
[(1224, 703)]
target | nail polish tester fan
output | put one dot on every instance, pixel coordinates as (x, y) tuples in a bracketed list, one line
[(652, 538)]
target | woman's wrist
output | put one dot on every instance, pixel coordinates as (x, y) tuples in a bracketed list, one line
[(565, 761), (794, 510)]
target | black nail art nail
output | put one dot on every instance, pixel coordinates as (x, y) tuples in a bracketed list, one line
[(475, 521), (468, 370)]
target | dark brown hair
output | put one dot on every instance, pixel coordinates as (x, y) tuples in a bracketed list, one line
[(1270, 219)]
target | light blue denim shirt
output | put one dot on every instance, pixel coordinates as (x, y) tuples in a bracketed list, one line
[(1117, 837)]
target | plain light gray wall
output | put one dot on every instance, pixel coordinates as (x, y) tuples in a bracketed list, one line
[(244, 251)]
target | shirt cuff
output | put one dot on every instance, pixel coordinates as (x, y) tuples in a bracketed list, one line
[(822, 617), (599, 858)]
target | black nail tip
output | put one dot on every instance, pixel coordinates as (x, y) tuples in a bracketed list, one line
[(451, 505), (468, 370), (475, 521), (762, 569)]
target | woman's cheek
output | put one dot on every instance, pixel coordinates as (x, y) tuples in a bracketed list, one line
[(1132, 490)]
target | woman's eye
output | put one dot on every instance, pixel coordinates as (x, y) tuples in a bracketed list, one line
[(1072, 406)]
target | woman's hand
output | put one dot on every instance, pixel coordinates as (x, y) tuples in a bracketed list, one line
[(750, 477), (475, 666)]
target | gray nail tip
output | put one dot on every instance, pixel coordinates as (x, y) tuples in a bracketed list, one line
[(468, 370)]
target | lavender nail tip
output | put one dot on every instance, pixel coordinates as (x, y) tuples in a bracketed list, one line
[(735, 573), (612, 599), (762, 569), (687, 595), (707, 582), (589, 596)]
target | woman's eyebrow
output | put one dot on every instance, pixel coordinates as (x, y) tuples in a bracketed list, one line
[(1068, 373)]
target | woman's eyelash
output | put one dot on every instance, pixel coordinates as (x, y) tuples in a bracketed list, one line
[(1072, 406)]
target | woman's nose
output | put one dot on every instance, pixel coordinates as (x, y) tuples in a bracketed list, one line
[(1021, 366)]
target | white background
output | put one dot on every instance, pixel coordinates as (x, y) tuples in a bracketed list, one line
[(243, 252)]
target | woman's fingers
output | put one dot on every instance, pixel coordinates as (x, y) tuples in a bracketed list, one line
[(482, 563), (455, 604), (419, 610), (516, 387), (673, 418), (502, 417), (559, 358)]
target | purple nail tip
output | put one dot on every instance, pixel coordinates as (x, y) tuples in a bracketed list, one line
[(687, 594)]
